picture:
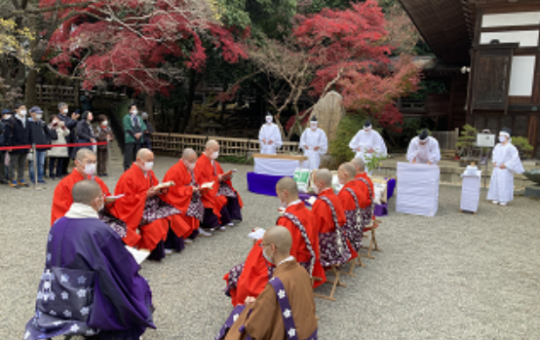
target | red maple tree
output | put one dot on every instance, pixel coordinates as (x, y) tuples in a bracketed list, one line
[(137, 43), (354, 46)]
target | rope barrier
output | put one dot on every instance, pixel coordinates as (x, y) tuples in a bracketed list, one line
[(44, 146)]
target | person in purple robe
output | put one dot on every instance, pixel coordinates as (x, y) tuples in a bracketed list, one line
[(90, 285)]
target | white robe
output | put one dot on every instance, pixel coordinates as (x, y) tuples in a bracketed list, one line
[(501, 186), (270, 132), (366, 140), (312, 139), (428, 152)]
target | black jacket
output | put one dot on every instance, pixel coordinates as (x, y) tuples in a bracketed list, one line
[(16, 134), (70, 124), (84, 130), (40, 134)]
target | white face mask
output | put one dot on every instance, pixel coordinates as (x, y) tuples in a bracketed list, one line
[(7, 116), (23, 112), (148, 166), (192, 166), (39, 116), (90, 169), (269, 119), (313, 126), (502, 139), (105, 123), (315, 190), (101, 206), (215, 155), (282, 204), (134, 112), (266, 257), (65, 110), (368, 129)]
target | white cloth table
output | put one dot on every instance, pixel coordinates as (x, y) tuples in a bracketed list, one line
[(277, 165), (470, 192), (417, 189)]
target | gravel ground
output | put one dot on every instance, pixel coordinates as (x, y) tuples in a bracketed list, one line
[(454, 276)]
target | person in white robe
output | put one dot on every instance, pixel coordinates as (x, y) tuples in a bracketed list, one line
[(506, 163), (270, 136), (314, 143), (424, 149), (368, 142)]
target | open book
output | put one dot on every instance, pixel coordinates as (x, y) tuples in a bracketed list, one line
[(138, 254), (164, 185), (207, 185), (110, 199)]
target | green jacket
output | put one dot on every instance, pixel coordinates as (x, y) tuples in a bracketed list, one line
[(129, 134)]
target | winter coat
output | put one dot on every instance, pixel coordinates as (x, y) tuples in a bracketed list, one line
[(40, 134), (16, 134), (62, 134)]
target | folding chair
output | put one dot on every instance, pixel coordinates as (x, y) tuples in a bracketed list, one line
[(353, 263), (336, 282), (373, 239)]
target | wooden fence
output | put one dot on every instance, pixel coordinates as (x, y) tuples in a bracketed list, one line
[(175, 143), (55, 94)]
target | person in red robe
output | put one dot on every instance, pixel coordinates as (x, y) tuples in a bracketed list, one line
[(250, 278), (216, 215), (85, 168), (329, 219), (234, 201), (142, 208), (185, 195), (364, 180), (354, 197)]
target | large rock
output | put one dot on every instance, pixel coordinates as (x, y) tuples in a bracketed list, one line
[(329, 111)]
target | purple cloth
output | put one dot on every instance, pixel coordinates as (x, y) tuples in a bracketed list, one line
[(174, 242), (380, 210), (262, 184), (390, 187), (120, 308), (233, 208)]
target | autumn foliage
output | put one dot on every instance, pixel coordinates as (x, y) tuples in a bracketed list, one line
[(354, 46), (138, 43)]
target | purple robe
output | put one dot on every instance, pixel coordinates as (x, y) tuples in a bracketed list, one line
[(120, 306)]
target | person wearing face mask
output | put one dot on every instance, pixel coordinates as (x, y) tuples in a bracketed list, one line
[(85, 255), (5, 119), (85, 132), (506, 163), (285, 309), (103, 134), (57, 155), (40, 135), (368, 142), (424, 149), (147, 215), (314, 143), (365, 183), (329, 219), (133, 135), (186, 197), (355, 200), (270, 136), (216, 215), (18, 134), (147, 134), (250, 278), (85, 168), (70, 122)]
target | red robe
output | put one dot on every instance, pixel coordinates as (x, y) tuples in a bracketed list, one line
[(220, 171), (362, 194), (134, 185), (322, 216), (179, 195), (254, 276), (365, 176), (62, 198), (204, 173)]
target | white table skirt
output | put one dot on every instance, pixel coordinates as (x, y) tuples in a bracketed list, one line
[(470, 192), (417, 189), (276, 167)]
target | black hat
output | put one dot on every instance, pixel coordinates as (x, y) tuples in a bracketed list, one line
[(367, 123), (507, 130), (423, 135), (6, 112), (313, 119), (269, 114)]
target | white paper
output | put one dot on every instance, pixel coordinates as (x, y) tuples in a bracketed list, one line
[(276, 167), (257, 234), (470, 191), (208, 185), (138, 255), (417, 189), (116, 197), (312, 200)]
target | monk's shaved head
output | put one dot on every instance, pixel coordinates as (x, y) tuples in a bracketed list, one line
[(346, 172), (281, 238), (189, 153), (144, 154), (85, 192), (288, 184), (83, 154), (325, 176), (359, 165), (212, 143)]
